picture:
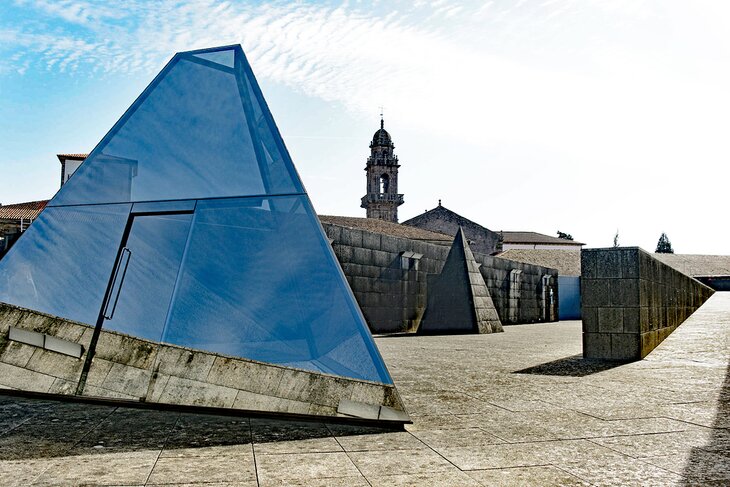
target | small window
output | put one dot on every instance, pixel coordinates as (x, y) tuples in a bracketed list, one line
[(409, 260)]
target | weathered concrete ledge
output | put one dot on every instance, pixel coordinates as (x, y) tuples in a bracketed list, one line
[(134, 369), (631, 302)]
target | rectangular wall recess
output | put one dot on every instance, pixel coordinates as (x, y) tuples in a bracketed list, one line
[(46, 342)]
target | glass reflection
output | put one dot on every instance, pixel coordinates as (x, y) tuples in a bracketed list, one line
[(258, 281), (155, 244), (197, 132), (61, 264)]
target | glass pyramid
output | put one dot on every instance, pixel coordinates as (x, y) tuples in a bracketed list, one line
[(188, 225)]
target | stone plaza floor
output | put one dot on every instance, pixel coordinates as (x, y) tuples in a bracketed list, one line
[(515, 408)]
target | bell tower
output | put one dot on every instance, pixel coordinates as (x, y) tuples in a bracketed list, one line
[(382, 199)]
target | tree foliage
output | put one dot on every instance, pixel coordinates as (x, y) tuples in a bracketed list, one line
[(664, 246), (565, 236)]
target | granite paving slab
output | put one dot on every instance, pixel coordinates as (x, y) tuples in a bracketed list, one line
[(113, 469), (235, 467), (543, 475), (275, 469), (515, 408)]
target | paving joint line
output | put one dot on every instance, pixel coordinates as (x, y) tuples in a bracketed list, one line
[(92, 428), (433, 450), (159, 454), (572, 474), (347, 453), (16, 426), (253, 452)]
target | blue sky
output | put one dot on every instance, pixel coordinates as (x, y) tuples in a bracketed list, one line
[(586, 116)]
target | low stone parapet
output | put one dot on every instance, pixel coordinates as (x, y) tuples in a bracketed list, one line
[(631, 302), (138, 370)]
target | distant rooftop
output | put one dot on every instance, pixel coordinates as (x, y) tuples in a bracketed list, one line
[(697, 265), (386, 228), (25, 211), (72, 156), (535, 238), (567, 263)]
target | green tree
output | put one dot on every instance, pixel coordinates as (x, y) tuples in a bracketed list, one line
[(615, 240), (565, 236), (664, 246)]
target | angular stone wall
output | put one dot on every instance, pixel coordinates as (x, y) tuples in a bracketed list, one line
[(393, 298), (631, 302), (133, 369)]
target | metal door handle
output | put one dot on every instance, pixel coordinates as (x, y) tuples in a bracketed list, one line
[(117, 281)]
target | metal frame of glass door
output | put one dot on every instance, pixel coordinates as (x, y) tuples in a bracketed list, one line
[(117, 276)]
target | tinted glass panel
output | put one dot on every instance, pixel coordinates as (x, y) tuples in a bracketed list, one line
[(277, 167), (224, 57), (196, 132), (259, 281), (156, 244), (61, 264)]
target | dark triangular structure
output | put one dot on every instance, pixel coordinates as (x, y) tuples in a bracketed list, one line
[(458, 298), (183, 263)]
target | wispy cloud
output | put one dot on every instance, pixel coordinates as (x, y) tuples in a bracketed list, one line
[(550, 91), (74, 11), (512, 69)]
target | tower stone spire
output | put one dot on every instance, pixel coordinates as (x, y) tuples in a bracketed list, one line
[(382, 199)]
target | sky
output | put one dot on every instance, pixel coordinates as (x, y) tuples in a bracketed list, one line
[(591, 117)]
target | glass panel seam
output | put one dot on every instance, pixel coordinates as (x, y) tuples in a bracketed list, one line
[(273, 195)]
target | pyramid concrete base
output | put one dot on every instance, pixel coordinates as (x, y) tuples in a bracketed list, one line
[(46, 354)]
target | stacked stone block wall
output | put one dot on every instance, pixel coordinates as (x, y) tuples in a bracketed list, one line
[(532, 303), (393, 299), (631, 302)]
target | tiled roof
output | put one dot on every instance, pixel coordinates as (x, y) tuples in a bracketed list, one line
[(697, 265), (441, 212), (26, 211), (386, 228), (71, 156), (567, 263), (535, 238)]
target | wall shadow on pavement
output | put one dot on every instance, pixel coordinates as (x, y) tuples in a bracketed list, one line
[(710, 464), (41, 429), (573, 366)]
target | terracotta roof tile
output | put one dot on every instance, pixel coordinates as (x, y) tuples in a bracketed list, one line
[(29, 210), (72, 156), (536, 238)]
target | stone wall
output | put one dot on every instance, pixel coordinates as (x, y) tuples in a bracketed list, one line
[(133, 369), (391, 290), (531, 297), (631, 302)]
